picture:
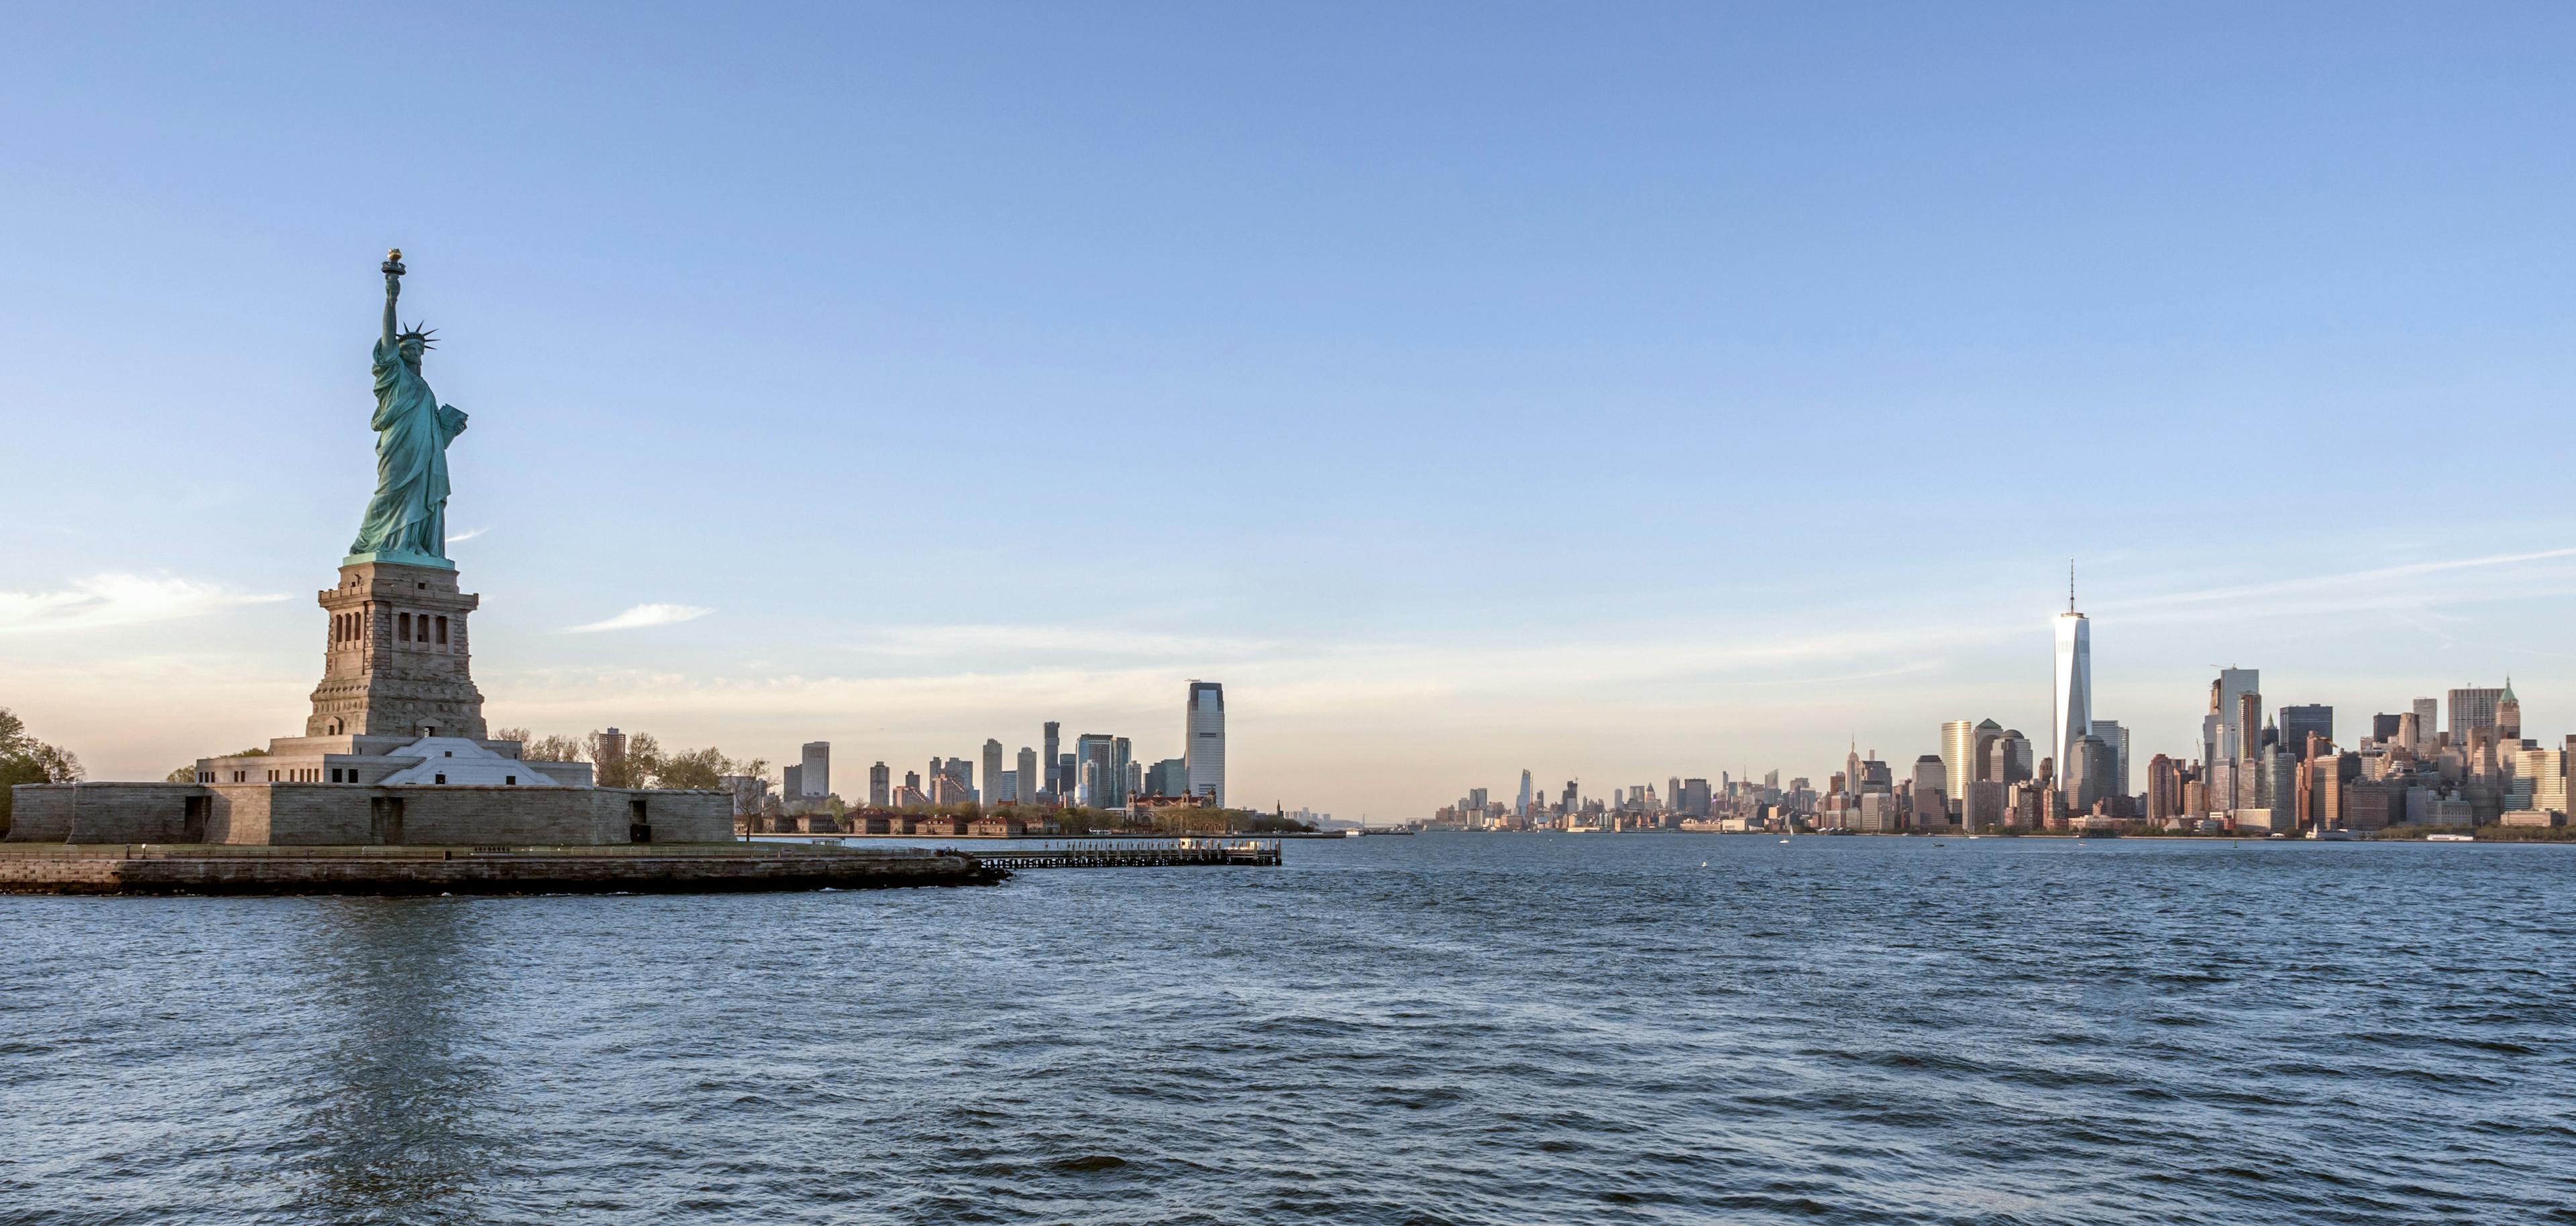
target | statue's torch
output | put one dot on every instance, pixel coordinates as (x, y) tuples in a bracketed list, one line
[(393, 263)]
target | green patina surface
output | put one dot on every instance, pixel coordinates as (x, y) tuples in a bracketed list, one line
[(407, 519)]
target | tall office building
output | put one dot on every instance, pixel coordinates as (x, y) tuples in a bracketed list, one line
[(1203, 740), (2544, 773), (791, 783), (1169, 777), (1121, 770), (1521, 807), (2116, 783), (992, 772), (960, 775), (2220, 739), (2472, 708), (2164, 789), (818, 768), (1054, 762), (1006, 788), (2428, 723), (2072, 714), (2508, 714), (1095, 764), (2008, 759), (2274, 778), (1029, 776), (612, 748), (2300, 720), (1931, 791), (1958, 762), (2088, 776), (880, 786)]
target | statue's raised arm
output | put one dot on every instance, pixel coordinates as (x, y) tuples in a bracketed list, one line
[(393, 289)]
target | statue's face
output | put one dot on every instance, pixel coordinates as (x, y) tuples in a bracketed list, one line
[(411, 352)]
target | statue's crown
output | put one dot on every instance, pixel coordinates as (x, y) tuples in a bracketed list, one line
[(417, 333)]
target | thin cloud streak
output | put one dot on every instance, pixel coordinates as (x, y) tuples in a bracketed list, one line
[(2346, 592), (467, 535), (643, 616), (118, 599), (949, 640)]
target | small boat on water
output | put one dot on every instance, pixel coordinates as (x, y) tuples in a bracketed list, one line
[(2450, 838)]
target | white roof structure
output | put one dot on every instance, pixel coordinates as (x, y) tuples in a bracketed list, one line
[(454, 760)]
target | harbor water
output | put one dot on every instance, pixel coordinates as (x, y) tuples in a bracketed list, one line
[(1440, 1029)]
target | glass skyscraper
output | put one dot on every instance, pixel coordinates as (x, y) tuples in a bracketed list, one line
[(2073, 712), (1203, 740)]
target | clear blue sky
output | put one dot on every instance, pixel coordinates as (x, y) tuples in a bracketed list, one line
[(1618, 393)]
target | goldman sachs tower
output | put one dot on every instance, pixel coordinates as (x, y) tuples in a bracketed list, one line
[(2074, 679)]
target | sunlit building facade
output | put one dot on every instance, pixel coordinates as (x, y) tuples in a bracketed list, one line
[(2072, 714), (1203, 740)]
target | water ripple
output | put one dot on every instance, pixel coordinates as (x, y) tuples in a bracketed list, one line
[(1433, 1030)]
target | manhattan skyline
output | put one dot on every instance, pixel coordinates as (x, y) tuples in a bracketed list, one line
[(1694, 398)]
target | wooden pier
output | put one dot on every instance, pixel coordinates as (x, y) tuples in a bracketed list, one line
[(1134, 853)]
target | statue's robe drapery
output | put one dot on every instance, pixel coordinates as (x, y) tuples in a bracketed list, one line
[(409, 512)]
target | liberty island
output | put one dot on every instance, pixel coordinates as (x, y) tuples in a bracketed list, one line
[(395, 784)]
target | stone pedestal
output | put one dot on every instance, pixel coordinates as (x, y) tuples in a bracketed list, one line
[(396, 656)]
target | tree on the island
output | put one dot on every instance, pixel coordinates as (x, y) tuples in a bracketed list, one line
[(534, 748), (24, 759), (644, 764), (1270, 823), (1078, 819), (630, 769), (701, 768)]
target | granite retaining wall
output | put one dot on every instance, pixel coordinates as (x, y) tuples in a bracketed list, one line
[(337, 814), (119, 869)]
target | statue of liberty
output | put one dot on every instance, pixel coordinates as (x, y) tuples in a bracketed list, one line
[(407, 519)]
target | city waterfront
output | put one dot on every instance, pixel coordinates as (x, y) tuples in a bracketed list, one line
[(1654, 1028)]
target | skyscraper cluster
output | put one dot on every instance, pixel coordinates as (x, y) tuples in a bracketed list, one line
[(2288, 773), (1097, 771), (2281, 773)]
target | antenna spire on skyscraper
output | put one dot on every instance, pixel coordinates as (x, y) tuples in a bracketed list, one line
[(2070, 585)]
